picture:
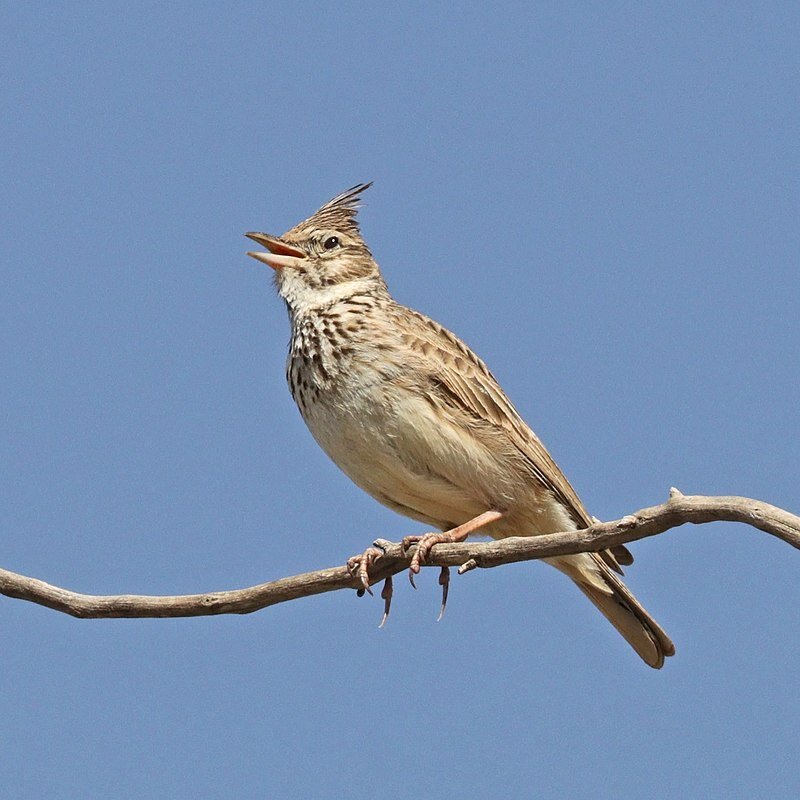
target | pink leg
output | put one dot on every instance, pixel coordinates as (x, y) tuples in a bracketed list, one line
[(360, 565), (428, 540)]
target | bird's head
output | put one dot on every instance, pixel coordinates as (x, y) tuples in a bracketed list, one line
[(323, 257)]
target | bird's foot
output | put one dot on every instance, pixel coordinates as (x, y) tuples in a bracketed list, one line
[(359, 567), (361, 564), (424, 545), (425, 542)]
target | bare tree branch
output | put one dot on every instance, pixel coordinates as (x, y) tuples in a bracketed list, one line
[(678, 510)]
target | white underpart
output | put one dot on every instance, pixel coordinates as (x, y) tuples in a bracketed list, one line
[(302, 298)]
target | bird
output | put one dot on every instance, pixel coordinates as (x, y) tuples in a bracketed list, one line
[(416, 419)]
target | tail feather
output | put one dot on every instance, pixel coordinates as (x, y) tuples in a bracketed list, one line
[(618, 605)]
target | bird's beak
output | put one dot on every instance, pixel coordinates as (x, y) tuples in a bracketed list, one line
[(281, 254)]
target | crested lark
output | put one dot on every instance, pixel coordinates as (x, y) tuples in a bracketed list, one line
[(416, 419)]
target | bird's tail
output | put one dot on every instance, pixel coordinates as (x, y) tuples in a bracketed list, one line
[(615, 601)]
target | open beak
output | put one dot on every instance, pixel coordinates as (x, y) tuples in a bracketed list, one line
[(281, 254)]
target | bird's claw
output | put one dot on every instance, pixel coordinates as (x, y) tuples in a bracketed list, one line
[(444, 582), (424, 544), (386, 594), (359, 567)]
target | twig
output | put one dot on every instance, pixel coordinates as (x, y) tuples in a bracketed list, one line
[(678, 510)]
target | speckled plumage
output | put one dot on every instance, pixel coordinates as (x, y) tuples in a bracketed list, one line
[(416, 419)]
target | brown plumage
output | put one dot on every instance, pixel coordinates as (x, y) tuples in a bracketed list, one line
[(418, 421)]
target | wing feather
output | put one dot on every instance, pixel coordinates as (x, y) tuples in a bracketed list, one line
[(465, 381), (469, 384)]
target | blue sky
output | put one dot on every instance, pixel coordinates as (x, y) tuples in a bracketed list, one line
[(601, 200)]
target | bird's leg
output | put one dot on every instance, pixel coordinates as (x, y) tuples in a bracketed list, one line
[(360, 565), (428, 540)]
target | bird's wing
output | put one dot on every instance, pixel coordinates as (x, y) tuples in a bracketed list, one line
[(460, 378), (464, 381)]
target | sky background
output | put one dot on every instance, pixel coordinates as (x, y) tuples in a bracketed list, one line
[(602, 200)]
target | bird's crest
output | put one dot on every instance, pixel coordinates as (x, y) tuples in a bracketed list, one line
[(337, 214)]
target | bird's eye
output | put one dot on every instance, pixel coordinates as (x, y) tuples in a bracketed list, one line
[(331, 242)]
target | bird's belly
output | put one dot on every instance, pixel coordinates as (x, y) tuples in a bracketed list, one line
[(366, 447), (407, 457)]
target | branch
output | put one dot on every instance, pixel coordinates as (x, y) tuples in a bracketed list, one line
[(678, 510)]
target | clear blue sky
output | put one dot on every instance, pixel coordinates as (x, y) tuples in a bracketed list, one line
[(601, 200)]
